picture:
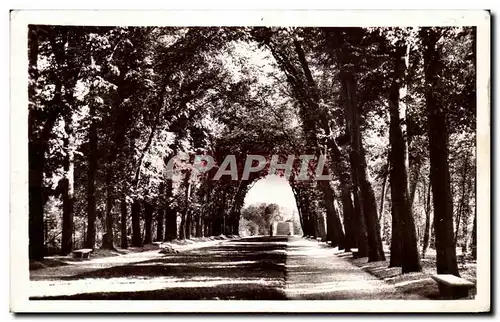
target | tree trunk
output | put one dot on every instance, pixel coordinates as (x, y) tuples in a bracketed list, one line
[(91, 176), (297, 196), (404, 238), (427, 220), (68, 189), (170, 223), (184, 216), (170, 214), (359, 221), (160, 219), (466, 211), (123, 223), (136, 223), (108, 238), (335, 233), (383, 193), (36, 201), (310, 218), (198, 225), (473, 243), (301, 219), (349, 224), (463, 210), (458, 218), (396, 259), (414, 180), (189, 224), (446, 259), (160, 214), (182, 226), (148, 222), (381, 214)]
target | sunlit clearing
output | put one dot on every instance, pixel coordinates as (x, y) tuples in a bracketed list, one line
[(273, 189)]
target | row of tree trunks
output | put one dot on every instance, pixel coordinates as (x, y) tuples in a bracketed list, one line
[(335, 233), (237, 204), (307, 96), (341, 170), (307, 218), (359, 168)]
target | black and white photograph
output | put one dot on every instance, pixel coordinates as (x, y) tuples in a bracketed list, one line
[(218, 165)]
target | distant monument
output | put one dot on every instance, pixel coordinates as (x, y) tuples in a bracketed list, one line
[(281, 228)]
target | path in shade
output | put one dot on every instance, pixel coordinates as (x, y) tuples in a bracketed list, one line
[(257, 268), (246, 269), (315, 273)]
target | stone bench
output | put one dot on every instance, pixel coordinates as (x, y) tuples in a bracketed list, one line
[(451, 286), (355, 253), (82, 253)]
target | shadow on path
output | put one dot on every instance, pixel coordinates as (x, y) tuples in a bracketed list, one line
[(246, 269)]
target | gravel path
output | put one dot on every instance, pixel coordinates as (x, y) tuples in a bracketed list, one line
[(315, 273), (257, 268), (78, 267), (246, 269)]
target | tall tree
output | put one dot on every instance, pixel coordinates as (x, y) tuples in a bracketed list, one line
[(446, 259), (91, 175), (68, 190), (344, 39), (404, 250), (36, 149)]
